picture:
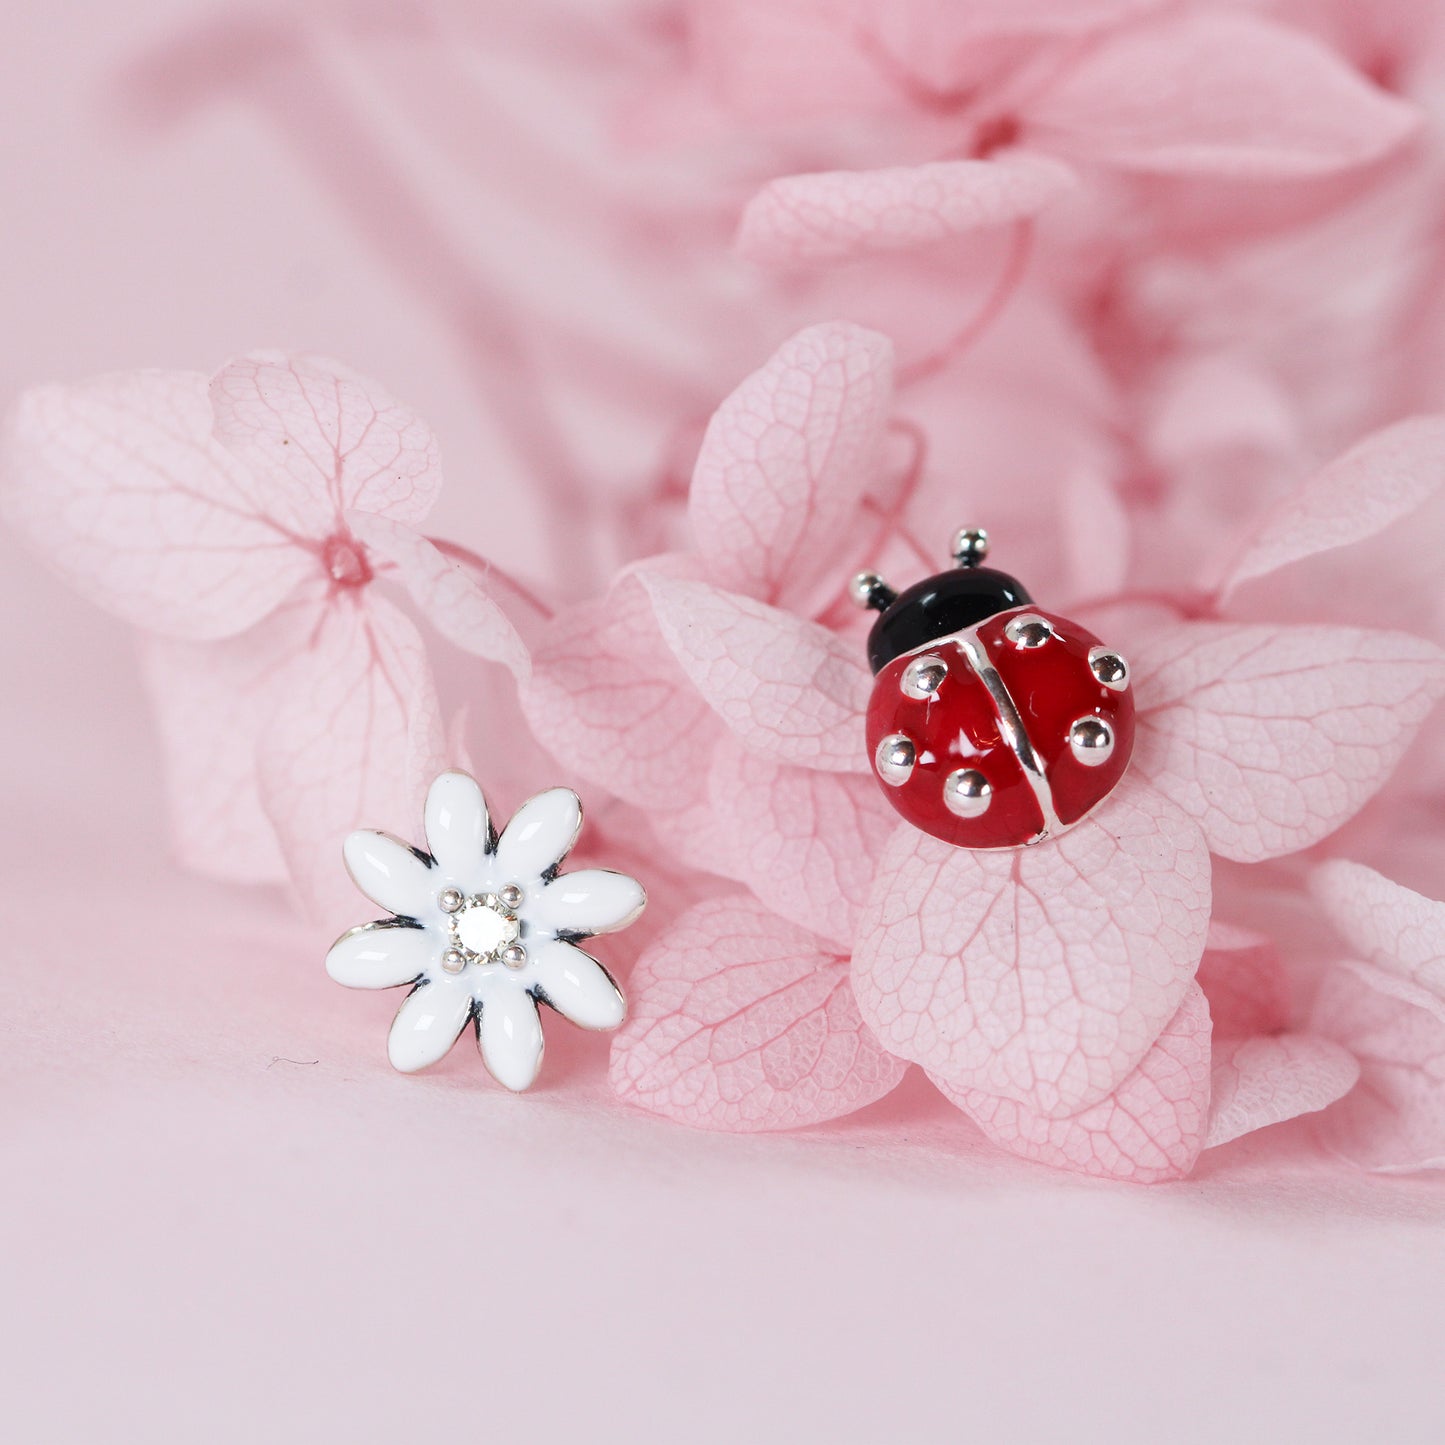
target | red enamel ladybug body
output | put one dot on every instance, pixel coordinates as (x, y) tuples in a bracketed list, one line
[(992, 724)]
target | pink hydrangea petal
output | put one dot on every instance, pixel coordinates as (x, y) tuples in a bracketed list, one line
[(325, 440), (450, 596), (1094, 528), (1273, 736), (1218, 409), (1387, 476), (1262, 1081), (843, 215), (806, 842), (1399, 931), (353, 744), (1148, 1130), (1394, 1121), (1244, 981), (785, 686), (1218, 94), (523, 610), (691, 838), (747, 54), (743, 1021), (941, 43), (1042, 975), (787, 458), (608, 698), (121, 486), (212, 701)]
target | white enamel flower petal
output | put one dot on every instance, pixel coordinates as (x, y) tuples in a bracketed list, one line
[(591, 900), (457, 829), (510, 1033), (576, 985), (381, 955), (392, 875), (428, 1023), (540, 835)]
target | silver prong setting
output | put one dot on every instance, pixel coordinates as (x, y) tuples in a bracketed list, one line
[(514, 956), (454, 960), (511, 895), (923, 677), (449, 900), (1091, 741), (967, 793), (894, 758)]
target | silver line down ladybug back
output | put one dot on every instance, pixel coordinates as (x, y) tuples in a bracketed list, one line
[(992, 724)]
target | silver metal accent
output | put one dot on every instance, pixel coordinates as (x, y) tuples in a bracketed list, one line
[(923, 677), (1109, 668), (967, 793), (450, 899), (862, 588), (1011, 725), (511, 895), (454, 960), (490, 903), (1091, 740), (1028, 630), (894, 758), (513, 955), (970, 546)]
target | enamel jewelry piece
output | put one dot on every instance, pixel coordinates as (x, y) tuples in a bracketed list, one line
[(992, 724), (484, 929)]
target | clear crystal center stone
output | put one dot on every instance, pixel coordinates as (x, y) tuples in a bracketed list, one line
[(483, 929)]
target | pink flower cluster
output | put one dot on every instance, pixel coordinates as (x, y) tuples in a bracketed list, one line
[(1150, 290)]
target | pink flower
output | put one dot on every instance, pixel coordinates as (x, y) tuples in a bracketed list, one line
[(1051, 992), (1386, 1004), (994, 111), (1262, 1069), (1355, 543), (242, 523)]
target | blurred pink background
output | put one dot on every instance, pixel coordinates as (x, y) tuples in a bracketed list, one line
[(227, 1220)]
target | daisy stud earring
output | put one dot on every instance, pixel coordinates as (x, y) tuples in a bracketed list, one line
[(484, 929), (992, 724)]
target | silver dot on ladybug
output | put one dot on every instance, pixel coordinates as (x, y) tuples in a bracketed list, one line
[(450, 899), (454, 960), (1028, 631), (967, 793), (511, 895), (1091, 740), (894, 758), (514, 955), (923, 677), (1109, 668)]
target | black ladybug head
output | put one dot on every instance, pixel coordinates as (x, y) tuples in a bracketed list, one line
[(937, 606)]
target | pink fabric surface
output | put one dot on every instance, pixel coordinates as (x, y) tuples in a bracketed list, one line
[(225, 1217)]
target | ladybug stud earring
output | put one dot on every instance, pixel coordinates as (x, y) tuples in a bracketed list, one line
[(992, 724)]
